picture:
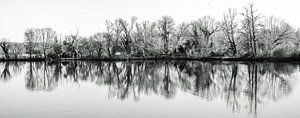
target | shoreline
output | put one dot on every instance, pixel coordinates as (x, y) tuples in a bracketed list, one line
[(258, 59)]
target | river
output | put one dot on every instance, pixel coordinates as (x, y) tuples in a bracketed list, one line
[(149, 89)]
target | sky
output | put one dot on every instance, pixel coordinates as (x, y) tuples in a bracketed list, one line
[(88, 16)]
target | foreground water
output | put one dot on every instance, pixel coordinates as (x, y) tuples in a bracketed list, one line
[(181, 89)]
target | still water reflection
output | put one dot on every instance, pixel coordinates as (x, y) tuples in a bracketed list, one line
[(149, 89)]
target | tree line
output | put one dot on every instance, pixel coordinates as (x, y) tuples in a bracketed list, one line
[(252, 35)]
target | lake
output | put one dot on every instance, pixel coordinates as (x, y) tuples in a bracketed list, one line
[(149, 89)]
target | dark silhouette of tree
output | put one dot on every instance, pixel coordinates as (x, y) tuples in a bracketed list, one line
[(5, 46)]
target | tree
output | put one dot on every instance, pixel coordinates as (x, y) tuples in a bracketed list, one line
[(30, 37), (250, 28), (17, 49), (5, 46), (201, 31), (275, 32), (109, 38), (181, 33), (126, 29), (194, 45), (297, 41), (97, 43), (140, 38), (74, 41), (145, 36), (71, 45), (46, 36), (56, 49), (229, 28), (85, 47), (208, 26), (166, 28)]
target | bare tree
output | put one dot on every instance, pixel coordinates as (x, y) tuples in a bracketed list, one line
[(85, 47), (109, 38), (208, 26), (71, 44), (182, 32), (193, 45), (297, 40), (17, 49), (250, 28), (166, 28), (276, 32), (30, 37), (5, 46), (140, 37), (46, 36), (144, 38), (74, 38), (56, 48), (201, 31), (127, 29), (98, 40), (229, 27)]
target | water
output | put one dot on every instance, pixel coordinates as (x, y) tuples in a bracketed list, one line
[(150, 89)]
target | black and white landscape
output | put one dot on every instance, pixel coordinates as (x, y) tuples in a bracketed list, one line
[(159, 58)]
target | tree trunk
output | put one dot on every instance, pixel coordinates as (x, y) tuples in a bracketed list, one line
[(45, 54), (30, 51)]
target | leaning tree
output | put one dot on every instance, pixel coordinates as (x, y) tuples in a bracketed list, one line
[(5, 46)]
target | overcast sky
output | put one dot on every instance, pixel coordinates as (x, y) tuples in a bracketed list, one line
[(66, 16)]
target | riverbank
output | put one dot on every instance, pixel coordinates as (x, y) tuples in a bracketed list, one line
[(258, 59)]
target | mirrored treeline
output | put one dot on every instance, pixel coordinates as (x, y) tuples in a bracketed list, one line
[(237, 84)]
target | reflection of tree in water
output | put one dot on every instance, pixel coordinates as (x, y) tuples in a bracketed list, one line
[(123, 80), (9, 69), (277, 85), (258, 83), (253, 82), (5, 75), (168, 87), (71, 71), (203, 81), (40, 76)]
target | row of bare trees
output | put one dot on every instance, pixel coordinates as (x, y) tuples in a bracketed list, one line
[(251, 35), (39, 39)]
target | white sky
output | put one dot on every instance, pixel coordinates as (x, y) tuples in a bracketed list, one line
[(66, 16)]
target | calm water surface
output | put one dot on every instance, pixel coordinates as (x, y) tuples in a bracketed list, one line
[(149, 89)]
